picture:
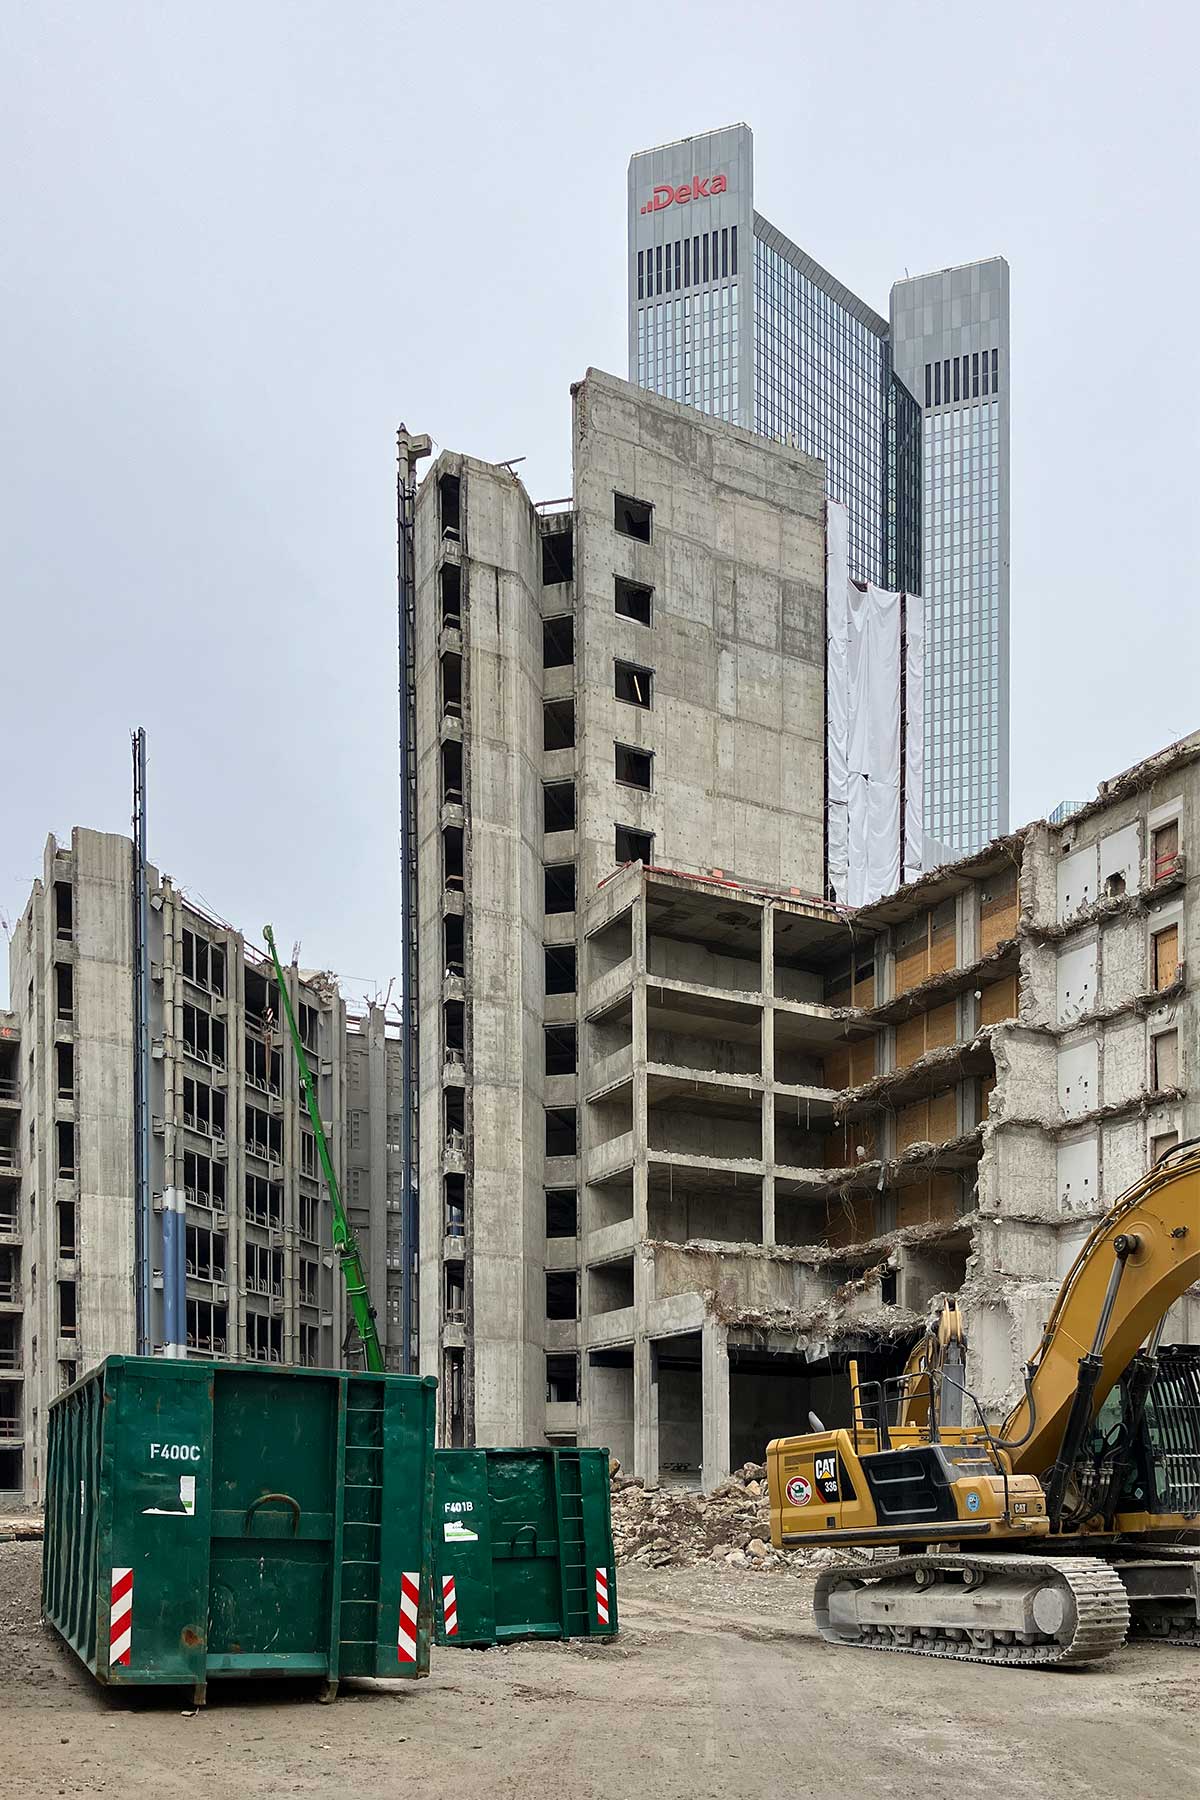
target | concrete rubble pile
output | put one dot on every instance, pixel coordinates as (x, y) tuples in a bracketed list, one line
[(677, 1528)]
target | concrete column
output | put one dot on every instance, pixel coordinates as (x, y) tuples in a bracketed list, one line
[(967, 925), (714, 1389), (640, 1194), (645, 1410), (768, 1072)]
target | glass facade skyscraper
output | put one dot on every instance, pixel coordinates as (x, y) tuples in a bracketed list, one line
[(909, 415), (950, 341), (728, 315), (823, 381)]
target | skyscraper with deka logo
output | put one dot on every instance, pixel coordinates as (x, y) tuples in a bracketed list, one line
[(728, 315), (909, 416)]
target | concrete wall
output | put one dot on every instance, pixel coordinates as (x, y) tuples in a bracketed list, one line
[(736, 650), (498, 552), (736, 645), (1076, 1110)]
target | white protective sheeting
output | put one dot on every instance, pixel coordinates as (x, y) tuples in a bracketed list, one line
[(837, 586), (864, 730), (914, 738)]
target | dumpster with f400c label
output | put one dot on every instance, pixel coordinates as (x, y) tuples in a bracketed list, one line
[(522, 1545), (207, 1520)]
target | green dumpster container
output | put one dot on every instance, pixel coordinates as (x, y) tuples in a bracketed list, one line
[(522, 1545), (208, 1519)]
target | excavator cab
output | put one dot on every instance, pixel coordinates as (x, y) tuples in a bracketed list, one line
[(898, 1475)]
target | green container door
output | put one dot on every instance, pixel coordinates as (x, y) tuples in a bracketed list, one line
[(208, 1520), (523, 1545)]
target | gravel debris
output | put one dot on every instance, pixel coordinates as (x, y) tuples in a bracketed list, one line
[(679, 1528)]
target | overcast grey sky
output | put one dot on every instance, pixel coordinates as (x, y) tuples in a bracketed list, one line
[(241, 242)]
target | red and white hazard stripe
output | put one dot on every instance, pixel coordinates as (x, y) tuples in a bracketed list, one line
[(120, 1617), (449, 1606), (602, 1595), (410, 1602)]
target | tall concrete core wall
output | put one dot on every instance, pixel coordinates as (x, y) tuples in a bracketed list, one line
[(635, 676)]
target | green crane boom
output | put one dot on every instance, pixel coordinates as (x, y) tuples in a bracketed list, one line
[(344, 1241)]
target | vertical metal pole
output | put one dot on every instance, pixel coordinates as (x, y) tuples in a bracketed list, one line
[(409, 450), (143, 1213)]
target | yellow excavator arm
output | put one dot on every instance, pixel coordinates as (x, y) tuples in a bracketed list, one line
[(1140, 1258), (943, 1348)]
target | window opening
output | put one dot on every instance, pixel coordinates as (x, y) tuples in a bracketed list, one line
[(1166, 957), (558, 642), (560, 887), (63, 912), (455, 1026), (452, 685), (558, 557), (449, 501), (561, 1131), (66, 1229), (633, 684), (64, 1132), (562, 1377), (1165, 851), (67, 1324), (558, 725), (562, 1294), (453, 941), (633, 601), (634, 846), (558, 798), (456, 1297), (455, 1190), (560, 968), (562, 1056), (452, 858), (632, 517), (452, 772), (562, 1212), (454, 1100), (634, 767), (450, 581)]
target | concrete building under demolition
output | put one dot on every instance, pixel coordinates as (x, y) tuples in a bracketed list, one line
[(231, 1143), (690, 1136)]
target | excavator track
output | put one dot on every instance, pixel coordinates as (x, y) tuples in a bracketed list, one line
[(1023, 1611), (1173, 1620)]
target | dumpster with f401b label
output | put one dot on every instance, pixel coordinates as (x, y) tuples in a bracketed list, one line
[(523, 1545), (208, 1520)]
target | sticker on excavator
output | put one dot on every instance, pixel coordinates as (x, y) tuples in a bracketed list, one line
[(825, 1471), (799, 1490)]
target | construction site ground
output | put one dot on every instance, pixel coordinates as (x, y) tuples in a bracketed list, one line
[(717, 1685)]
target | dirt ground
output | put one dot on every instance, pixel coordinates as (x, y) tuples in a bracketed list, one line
[(716, 1686)]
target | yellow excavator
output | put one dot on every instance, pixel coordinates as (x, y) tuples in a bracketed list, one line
[(1048, 1539)]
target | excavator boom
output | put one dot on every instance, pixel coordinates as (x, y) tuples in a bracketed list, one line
[(1140, 1258)]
